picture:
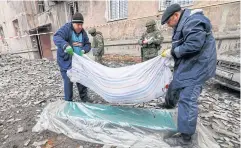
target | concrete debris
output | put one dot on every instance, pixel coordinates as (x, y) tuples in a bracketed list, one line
[(39, 102), (234, 141), (223, 131), (40, 143), (26, 86), (6, 137), (220, 123), (224, 145), (223, 117), (26, 143), (226, 139), (109, 146), (20, 130), (152, 104), (10, 120), (17, 120), (207, 115)]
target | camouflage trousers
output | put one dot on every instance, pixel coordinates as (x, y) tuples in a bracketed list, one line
[(98, 59), (149, 53)]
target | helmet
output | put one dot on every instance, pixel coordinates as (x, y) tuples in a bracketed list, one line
[(151, 23), (92, 30)]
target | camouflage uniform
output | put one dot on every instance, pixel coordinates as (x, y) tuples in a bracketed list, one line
[(97, 45), (154, 40)]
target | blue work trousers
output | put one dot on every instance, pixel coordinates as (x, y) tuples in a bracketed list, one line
[(188, 109), (68, 88)]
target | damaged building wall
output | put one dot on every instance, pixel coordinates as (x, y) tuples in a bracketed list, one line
[(13, 22), (24, 20), (48, 22), (120, 34)]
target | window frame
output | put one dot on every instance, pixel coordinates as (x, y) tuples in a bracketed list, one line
[(163, 8), (109, 12)]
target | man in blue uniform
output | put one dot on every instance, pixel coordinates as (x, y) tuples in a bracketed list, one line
[(194, 53), (69, 39)]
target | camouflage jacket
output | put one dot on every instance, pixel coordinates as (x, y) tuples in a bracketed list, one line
[(156, 38), (98, 44)]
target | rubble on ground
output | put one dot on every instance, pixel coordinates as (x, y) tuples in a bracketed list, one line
[(221, 113), (27, 86)]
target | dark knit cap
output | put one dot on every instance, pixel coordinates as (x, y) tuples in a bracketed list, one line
[(169, 12), (78, 18)]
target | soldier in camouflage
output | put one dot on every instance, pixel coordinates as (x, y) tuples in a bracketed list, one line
[(150, 41), (97, 44)]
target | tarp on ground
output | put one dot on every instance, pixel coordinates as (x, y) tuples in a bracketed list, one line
[(115, 125)]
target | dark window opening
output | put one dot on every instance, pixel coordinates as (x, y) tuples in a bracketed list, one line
[(41, 7), (16, 27), (2, 36), (73, 8)]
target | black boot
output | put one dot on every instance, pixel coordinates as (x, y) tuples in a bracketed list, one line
[(179, 140), (186, 137), (83, 93), (165, 106)]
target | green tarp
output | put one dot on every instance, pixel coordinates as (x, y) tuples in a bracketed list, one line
[(115, 125)]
